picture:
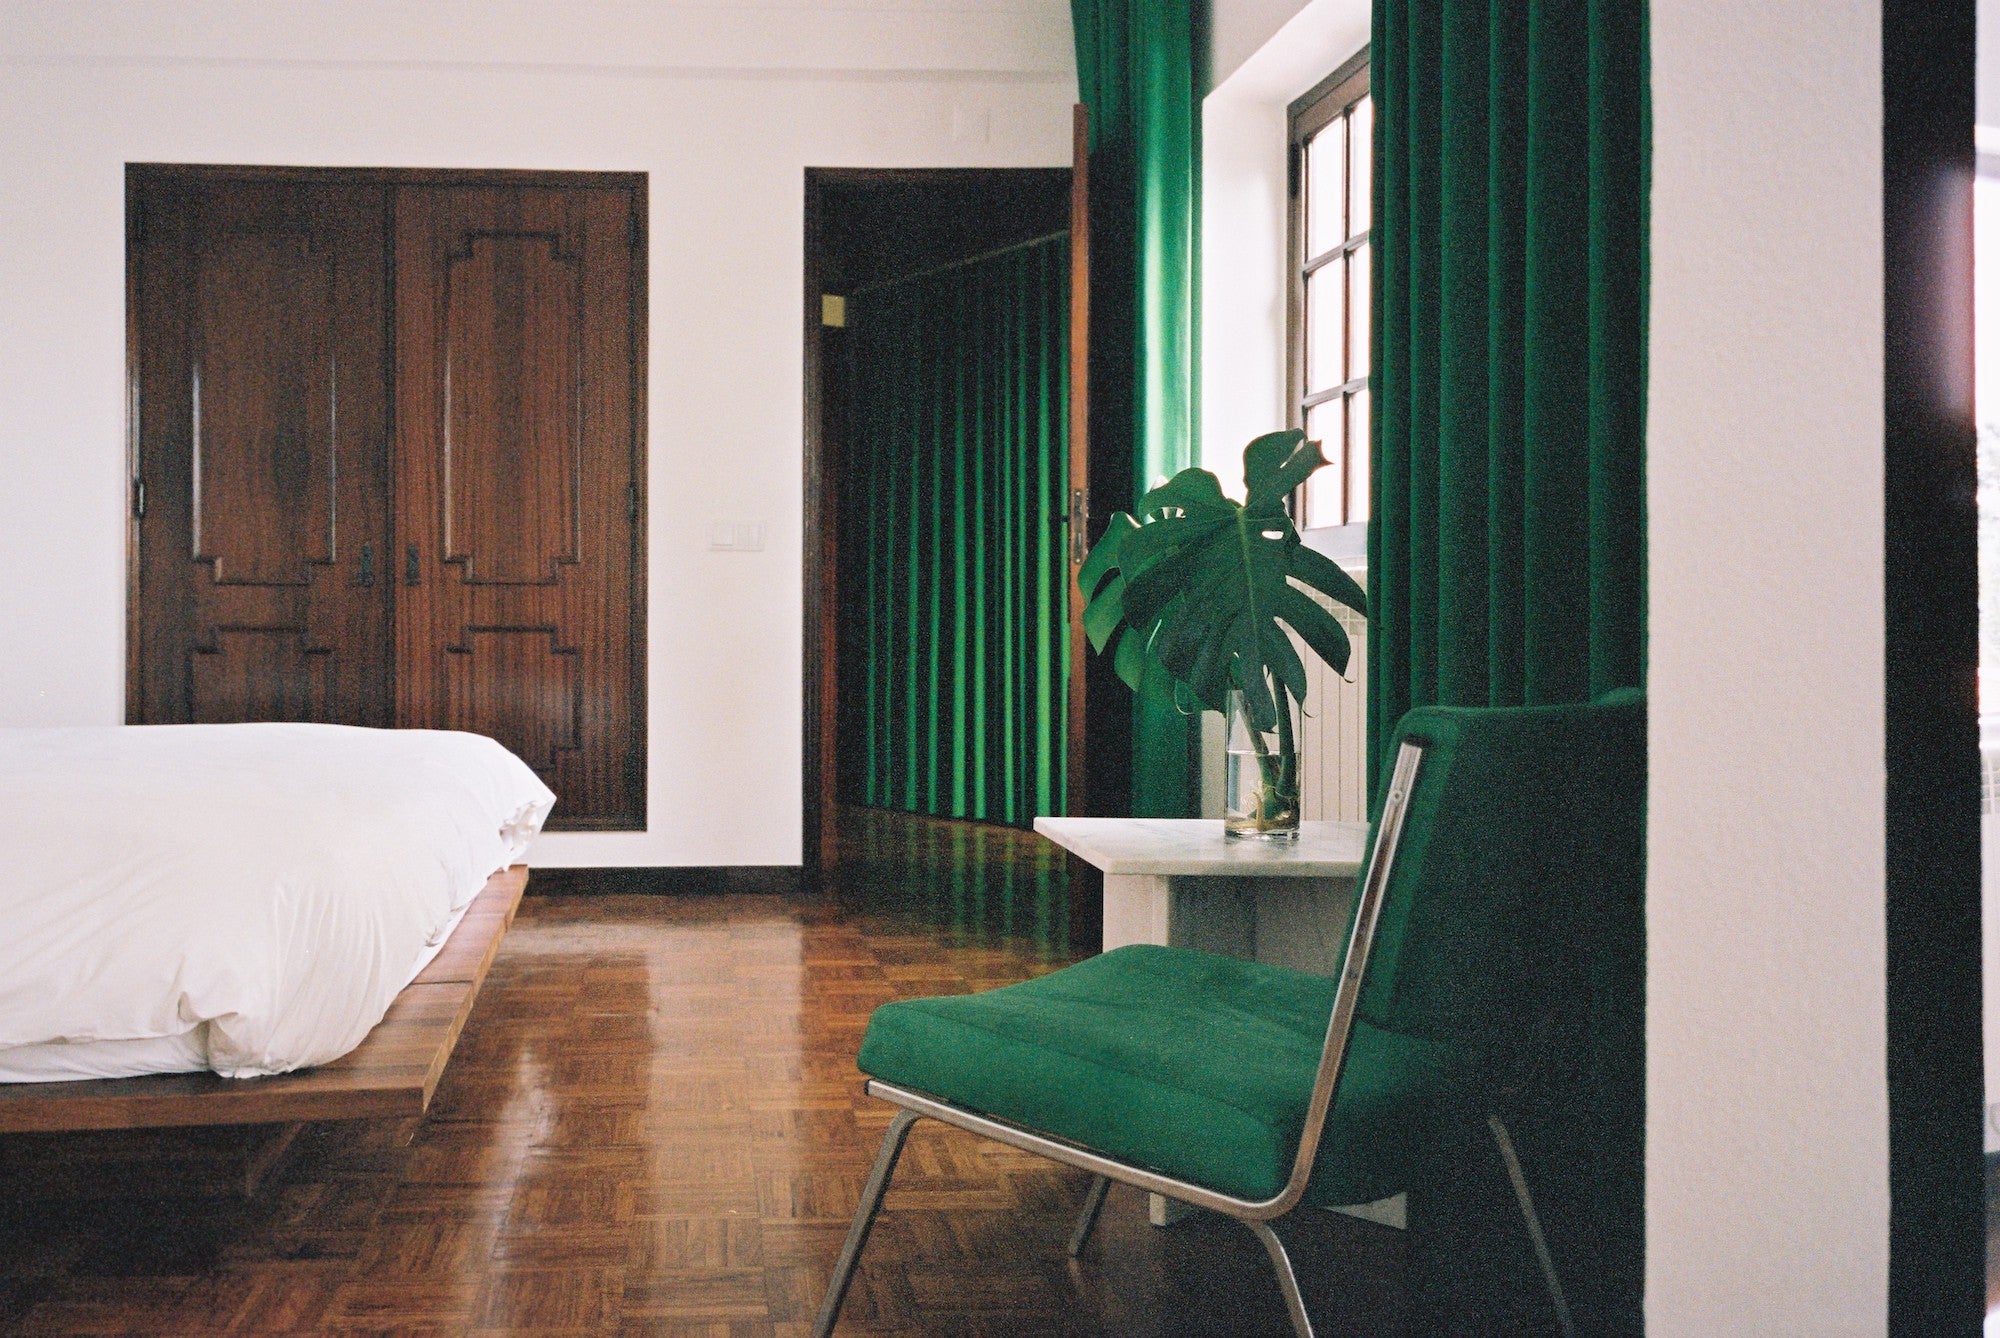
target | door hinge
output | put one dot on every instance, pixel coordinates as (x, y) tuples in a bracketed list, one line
[(138, 499), (632, 502), (632, 229), (1079, 523), (138, 227)]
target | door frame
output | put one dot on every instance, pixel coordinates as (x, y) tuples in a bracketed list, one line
[(1937, 1229), (819, 640), (141, 175)]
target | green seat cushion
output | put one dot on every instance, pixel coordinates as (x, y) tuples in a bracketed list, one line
[(1190, 1064)]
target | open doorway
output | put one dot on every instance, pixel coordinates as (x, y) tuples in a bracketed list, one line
[(937, 509)]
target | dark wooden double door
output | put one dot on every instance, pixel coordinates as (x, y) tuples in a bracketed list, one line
[(386, 460)]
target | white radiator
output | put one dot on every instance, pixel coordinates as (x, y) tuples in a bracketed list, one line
[(1333, 737)]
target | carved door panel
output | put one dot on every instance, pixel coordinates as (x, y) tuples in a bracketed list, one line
[(516, 483), (260, 482)]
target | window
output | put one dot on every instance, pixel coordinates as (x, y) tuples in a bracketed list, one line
[(1332, 131)]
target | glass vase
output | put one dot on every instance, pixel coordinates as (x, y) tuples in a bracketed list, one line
[(1261, 801)]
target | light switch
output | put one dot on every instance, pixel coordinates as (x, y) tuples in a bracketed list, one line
[(747, 537)]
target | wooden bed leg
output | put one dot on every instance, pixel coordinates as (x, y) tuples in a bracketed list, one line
[(268, 1156)]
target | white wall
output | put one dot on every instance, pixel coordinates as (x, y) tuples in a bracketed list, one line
[(1241, 29), (1242, 278), (723, 104), (1243, 163), (1767, 1134)]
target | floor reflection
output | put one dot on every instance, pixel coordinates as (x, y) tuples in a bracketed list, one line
[(978, 881)]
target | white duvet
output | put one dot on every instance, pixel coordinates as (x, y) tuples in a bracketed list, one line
[(252, 894)]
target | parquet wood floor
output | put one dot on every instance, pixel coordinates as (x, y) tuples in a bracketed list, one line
[(653, 1125)]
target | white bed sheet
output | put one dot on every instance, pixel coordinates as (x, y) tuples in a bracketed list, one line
[(74, 1061), (247, 898)]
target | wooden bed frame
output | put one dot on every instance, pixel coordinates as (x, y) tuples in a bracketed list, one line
[(392, 1074)]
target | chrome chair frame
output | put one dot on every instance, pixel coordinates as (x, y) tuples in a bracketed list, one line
[(1257, 1214)]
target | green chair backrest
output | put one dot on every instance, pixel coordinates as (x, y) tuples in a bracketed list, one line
[(1518, 877)]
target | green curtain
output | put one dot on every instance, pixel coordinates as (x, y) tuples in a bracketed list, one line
[(1139, 66), (1507, 546), (1507, 540), (954, 662)]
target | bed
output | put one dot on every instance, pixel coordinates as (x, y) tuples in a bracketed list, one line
[(246, 923)]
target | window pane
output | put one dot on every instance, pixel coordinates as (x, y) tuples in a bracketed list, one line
[(1357, 312), (1324, 488), (1325, 333), (1326, 225), (1357, 457), (1361, 163)]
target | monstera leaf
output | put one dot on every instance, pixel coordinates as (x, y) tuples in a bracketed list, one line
[(1191, 597)]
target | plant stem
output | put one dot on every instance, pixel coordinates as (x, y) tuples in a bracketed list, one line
[(1283, 698), (1277, 788), (1288, 752)]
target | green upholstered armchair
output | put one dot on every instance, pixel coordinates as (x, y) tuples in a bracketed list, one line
[(1256, 1091)]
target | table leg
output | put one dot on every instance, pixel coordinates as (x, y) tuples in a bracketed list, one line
[(1172, 912), (1136, 909)]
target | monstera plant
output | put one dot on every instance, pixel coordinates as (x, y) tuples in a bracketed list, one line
[(1191, 599)]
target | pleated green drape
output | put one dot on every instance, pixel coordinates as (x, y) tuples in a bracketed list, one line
[(1506, 550), (1138, 65), (955, 652), (1507, 539)]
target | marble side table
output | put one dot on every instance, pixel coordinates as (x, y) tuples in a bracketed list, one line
[(1180, 883)]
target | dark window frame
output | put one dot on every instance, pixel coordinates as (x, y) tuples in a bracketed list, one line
[(1332, 99)]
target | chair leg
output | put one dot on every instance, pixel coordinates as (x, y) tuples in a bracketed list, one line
[(1288, 1281), (864, 1218), (1534, 1221), (1086, 1222)]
